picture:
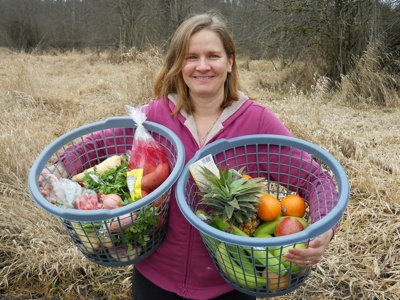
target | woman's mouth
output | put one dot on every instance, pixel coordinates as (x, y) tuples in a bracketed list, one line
[(203, 77)]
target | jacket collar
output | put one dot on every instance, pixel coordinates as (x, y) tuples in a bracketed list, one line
[(218, 125)]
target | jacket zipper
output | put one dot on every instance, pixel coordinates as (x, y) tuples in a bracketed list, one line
[(190, 241), (189, 248)]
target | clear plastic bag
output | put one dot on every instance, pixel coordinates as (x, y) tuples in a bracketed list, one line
[(148, 164), (66, 193)]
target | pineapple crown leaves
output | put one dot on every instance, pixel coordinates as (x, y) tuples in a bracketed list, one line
[(231, 197)]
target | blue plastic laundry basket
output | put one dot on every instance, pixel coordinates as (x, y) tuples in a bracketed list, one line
[(289, 165), (90, 230)]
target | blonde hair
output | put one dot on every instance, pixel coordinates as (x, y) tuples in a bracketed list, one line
[(170, 79)]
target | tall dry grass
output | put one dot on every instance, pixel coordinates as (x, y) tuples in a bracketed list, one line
[(374, 80), (44, 96)]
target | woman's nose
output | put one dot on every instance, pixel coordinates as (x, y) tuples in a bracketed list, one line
[(202, 64)]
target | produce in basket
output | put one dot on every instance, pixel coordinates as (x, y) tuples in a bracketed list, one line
[(288, 225), (240, 269), (148, 165), (261, 256), (134, 228), (100, 187), (240, 200), (120, 223), (232, 198), (110, 163), (110, 201), (68, 194), (89, 236), (293, 205), (235, 272), (233, 202), (121, 254), (129, 233), (269, 208), (122, 236), (109, 182), (275, 282), (281, 251), (88, 201), (266, 228), (251, 267)]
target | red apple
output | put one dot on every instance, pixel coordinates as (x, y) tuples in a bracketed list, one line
[(288, 225)]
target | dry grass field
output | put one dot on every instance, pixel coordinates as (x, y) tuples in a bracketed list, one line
[(45, 96)]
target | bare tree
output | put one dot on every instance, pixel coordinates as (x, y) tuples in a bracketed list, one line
[(336, 32), (19, 23)]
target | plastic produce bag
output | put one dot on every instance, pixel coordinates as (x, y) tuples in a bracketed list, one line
[(69, 194), (148, 165)]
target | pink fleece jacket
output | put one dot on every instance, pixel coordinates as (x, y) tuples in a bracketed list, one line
[(181, 264)]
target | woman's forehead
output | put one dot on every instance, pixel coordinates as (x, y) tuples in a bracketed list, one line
[(205, 39)]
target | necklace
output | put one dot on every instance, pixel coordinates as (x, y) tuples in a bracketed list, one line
[(202, 139)]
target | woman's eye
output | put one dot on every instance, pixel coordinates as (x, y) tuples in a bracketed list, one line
[(214, 56), (191, 57)]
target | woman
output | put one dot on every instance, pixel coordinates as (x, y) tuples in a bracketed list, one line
[(197, 96)]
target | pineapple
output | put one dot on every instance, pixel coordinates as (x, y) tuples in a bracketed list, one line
[(232, 198)]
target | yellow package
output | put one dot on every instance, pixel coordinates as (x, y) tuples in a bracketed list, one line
[(134, 180)]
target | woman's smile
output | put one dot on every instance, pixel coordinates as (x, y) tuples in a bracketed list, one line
[(203, 78)]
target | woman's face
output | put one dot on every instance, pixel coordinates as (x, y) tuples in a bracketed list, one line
[(206, 65)]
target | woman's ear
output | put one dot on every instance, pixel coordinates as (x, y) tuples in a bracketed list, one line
[(230, 63)]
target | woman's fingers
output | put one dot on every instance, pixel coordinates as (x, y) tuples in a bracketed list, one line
[(313, 254)]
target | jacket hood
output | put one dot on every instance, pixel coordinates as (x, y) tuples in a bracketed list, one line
[(223, 121)]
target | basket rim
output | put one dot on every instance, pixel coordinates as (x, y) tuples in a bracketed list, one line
[(312, 231), (103, 214)]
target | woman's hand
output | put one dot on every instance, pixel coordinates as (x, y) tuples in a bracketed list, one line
[(313, 254)]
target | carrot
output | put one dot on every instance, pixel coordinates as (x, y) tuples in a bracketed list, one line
[(161, 201), (110, 163), (153, 180)]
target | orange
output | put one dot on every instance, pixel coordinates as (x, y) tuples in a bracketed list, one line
[(247, 176), (276, 282), (269, 208), (293, 205)]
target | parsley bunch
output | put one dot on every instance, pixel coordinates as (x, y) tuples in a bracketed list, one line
[(141, 231), (112, 181)]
